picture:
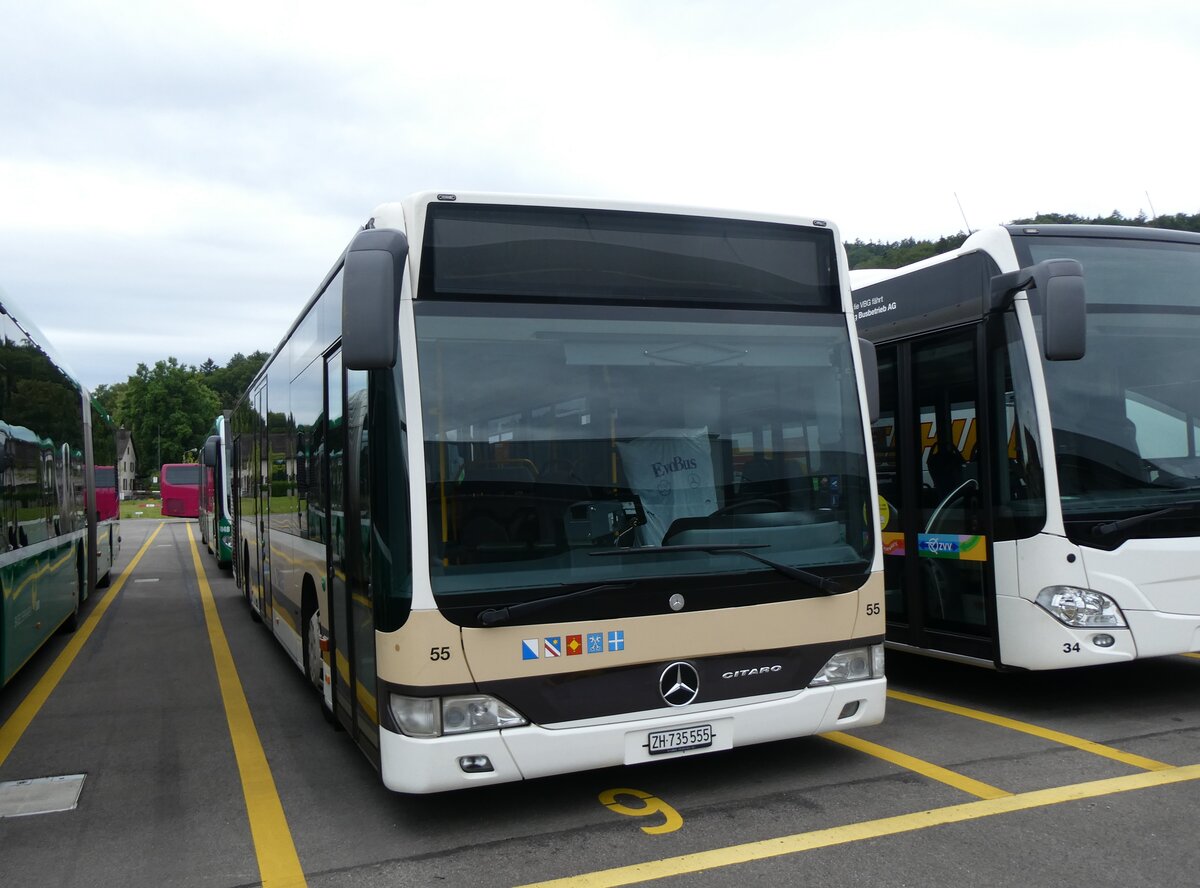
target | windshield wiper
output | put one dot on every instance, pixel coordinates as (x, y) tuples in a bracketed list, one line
[(816, 581), (1112, 527), (495, 615)]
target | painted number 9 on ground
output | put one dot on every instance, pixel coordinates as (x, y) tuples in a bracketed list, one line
[(651, 805)]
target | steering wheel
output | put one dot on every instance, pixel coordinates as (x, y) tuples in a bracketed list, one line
[(563, 468), (748, 506)]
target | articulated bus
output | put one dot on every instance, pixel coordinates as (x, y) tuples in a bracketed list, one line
[(1037, 446), (179, 487), (215, 504), (534, 486), (53, 548)]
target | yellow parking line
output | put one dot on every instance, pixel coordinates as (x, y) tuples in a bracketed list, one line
[(871, 829), (1012, 724), (919, 766), (278, 863), (1192, 656), (19, 721)]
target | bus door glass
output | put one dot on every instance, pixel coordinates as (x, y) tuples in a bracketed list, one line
[(933, 500), (891, 453), (339, 597), (948, 563), (358, 558), (263, 451)]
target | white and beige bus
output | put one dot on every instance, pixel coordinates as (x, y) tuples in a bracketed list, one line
[(534, 486)]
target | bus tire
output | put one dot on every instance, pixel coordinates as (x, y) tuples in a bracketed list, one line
[(312, 651)]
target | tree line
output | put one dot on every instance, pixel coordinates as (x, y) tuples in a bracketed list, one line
[(170, 407), (862, 254)]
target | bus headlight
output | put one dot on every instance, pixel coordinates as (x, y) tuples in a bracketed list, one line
[(855, 664), (478, 712), (417, 716), (1080, 608), (436, 716)]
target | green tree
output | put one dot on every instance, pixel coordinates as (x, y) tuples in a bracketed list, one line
[(168, 408), (899, 253), (232, 380), (109, 397)]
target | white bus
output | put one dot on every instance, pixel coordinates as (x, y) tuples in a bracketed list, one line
[(1037, 446), (534, 486)]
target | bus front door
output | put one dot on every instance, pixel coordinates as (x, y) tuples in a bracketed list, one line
[(354, 688), (263, 468), (933, 491)]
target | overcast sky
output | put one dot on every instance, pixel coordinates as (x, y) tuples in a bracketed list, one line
[(176, 177)]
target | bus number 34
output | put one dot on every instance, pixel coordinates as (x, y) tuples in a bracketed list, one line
[(439, 653)]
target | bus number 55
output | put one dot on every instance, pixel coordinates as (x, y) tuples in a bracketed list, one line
[(439, 653)]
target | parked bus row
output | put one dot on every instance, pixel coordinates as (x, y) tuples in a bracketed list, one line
[(534, 486), (55, 546)]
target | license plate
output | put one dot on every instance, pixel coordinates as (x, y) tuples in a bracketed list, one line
[(679, 739)]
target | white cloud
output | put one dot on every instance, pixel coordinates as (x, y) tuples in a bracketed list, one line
[(166, 165)]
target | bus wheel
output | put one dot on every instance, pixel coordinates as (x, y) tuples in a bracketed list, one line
[(313, 663), (312, 652)]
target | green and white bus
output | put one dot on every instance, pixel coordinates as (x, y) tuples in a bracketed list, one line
[(53, 549), (215, 499), (536, 485)]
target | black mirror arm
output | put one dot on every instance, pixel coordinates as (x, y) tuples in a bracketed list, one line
[(1006, 286)]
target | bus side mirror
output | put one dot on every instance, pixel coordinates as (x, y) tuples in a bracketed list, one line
[(372, 279), (208, 456), (1059, 283), (1064, 307), (870, 366)]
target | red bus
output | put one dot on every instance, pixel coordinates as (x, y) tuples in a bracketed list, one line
[(179, 485), (107, 506)]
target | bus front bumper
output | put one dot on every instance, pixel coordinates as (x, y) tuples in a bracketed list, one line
[(414, 765)]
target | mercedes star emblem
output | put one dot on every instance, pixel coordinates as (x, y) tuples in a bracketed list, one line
[(679, 684)]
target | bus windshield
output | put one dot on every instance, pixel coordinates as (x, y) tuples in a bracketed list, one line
[(189, 475), (1126, 417), (558, 432)]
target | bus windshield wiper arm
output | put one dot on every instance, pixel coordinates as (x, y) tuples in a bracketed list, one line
[(816, 581), (1116, 526), (496, 615)]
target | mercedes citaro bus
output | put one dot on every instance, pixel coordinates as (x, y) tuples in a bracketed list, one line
[(536, 485), (1037, 445)]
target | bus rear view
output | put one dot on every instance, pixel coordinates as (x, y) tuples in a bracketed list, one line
[(179, 486)]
